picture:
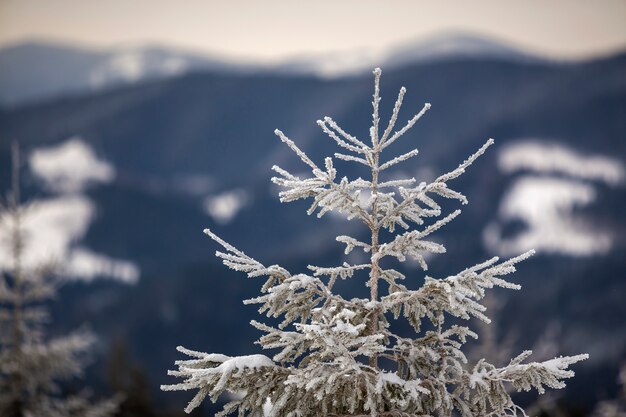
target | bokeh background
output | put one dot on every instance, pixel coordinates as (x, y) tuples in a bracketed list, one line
[(142, 123)]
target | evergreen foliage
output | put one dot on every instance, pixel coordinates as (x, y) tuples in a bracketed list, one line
[(33, 368), (338, 357)]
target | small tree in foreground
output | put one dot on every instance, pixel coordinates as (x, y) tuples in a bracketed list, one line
[(31, 367), (337, 356)]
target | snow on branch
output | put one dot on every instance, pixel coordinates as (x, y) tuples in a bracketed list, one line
[(212, 374), (294, 298), (458, 295), (409, 207), (396, 183), (360, 147), (537, 374), (331, 123), (341, 338), (239, 261), (327, 194), (352, 243), (398, 159), (469, 161), (411, 243), (351, 158), (375, 102), (292, 344), (343, 272), (486, 382), (391, 276), (408, 126), (394, 115), (296, 150)]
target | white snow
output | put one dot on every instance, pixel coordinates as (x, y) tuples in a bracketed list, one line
[(267, 408), (558, 182), (233, 366), (134, 64), (312, 328), (546, 206), (332, 64), (50, 227), (349, 328), (559, 365), (126, 66), (216, 357), (550, 158), (54, 227), (70, 166), (346, 313), (240, 363), (224, 207), (300, 281), (478, 378), (391, 378), (413, 386), (173, 66), (86, 265)]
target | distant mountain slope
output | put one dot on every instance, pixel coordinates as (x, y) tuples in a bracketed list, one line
[(448, 46), (457, 45), (33, 71), (176, 142)]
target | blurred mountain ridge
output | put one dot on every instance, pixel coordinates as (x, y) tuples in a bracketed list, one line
[(39, 69)]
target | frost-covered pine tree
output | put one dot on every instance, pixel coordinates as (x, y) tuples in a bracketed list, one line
[(337, 357), (31, 367)]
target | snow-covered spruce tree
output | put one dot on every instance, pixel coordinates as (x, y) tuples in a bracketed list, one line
[(31, 367), (337, 356)]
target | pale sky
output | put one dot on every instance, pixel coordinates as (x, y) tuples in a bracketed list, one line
[(273, 29)]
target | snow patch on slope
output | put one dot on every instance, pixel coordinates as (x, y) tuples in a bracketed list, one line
[(134, 65), (70, 167), (546, 206), (50, 227), (546, 202), (85, 265), (552, 158), (54, 227), (224, 207)]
